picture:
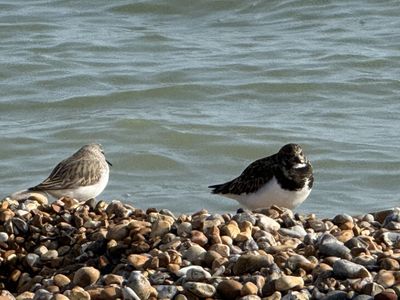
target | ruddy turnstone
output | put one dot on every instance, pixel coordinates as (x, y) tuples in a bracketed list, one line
[(283, 179), (82, 176)]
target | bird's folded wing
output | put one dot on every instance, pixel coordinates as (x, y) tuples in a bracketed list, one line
[(72, 174)]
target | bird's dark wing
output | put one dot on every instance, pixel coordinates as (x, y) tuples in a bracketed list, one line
[(252, 178)]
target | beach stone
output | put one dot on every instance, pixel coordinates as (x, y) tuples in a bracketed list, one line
[(197, 274), (158, 278), (296, 295), (346, 269), (184, 229), (116, 209), (231, 229), (386, 296), (49, 255), (267, 223), (385, 278), (118, 232), (3, 237), (140, 285), (6, 215), (166, 291), (52, 288), (113, 279), (164, 259), (221, 249), (330, 246), (173, 268), (32, 259), (275, 296), (249, 263), (202, 290), (42, 294), (393, 217), (296, 231), (61, 280), (20, 226), (185, 270), (285, 283), (95, 292), (199, 238), (110, 293), (298, 261), (391, 238), (356, 242), (365, 260), (250, 297), (372, 289), (244, 216), (249, 288), (194, 254), (29, 205), (86, 276), (389, 264), (41, 250), (160, 228), (129, 294), (229, 289), (258, 280), (24, 296), (77, 293), (345, 235), (317, 225), (341, 219), (335, 295), (138, 261), (363, 297)]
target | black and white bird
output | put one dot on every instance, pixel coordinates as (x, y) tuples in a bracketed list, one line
[(283, 179)]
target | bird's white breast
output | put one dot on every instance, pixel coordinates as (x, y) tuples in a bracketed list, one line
[(84, 193), (272, 194)]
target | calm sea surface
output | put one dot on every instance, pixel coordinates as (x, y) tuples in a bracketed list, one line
[(183, 94)]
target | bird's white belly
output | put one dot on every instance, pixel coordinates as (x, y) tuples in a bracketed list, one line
[(272, 194)]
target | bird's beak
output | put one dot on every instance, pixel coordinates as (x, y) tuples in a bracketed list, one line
[(109, 163)]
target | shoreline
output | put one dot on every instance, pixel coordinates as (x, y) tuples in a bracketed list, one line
[(98, 250)]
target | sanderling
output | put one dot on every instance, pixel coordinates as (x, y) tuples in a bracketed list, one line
[(82, 176)]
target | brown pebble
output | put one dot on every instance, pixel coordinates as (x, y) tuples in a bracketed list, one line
[(14, 276), (86, 276), (389, 264), (60, 297), (138, 261), (249, 263), (249, 288), (6, 215), (78, 293), (61, 280), (385, 296), (385, 278), (199, 238), (285, 283), (111, 292), (229, 289), (118, 232), (53, 289)]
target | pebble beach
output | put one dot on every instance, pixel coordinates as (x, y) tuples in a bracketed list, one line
[(111, 250)]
